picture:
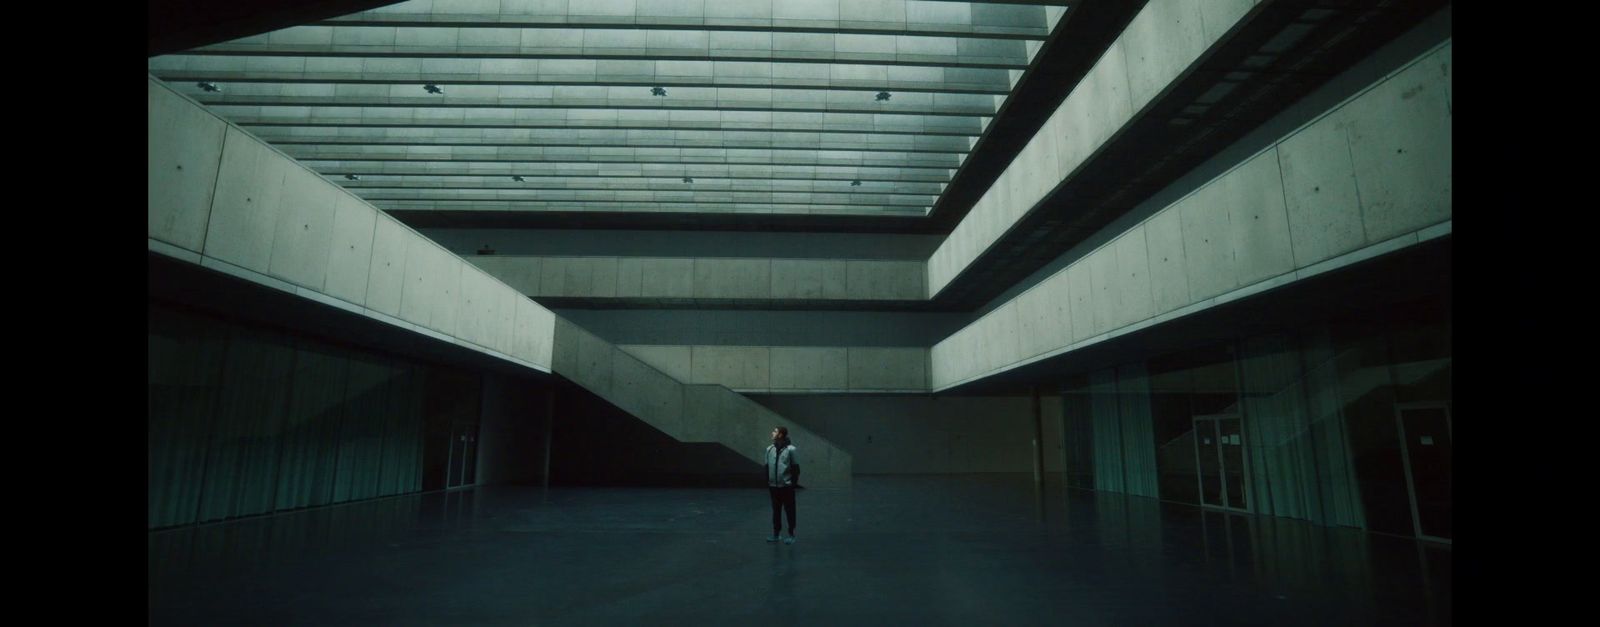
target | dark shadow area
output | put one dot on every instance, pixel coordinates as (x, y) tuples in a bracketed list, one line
[(598, 444)]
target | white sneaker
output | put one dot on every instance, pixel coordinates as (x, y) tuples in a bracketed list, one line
[(789, 540)]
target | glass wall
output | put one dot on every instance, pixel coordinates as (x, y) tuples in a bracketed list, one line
[(244, 420), (1346, 421), (1191, 456)]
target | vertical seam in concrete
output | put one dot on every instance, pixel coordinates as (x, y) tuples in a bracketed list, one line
[(1361, 205), (1283, 188), (272, 234), (691, 364), (211, 206), (1149, 281)]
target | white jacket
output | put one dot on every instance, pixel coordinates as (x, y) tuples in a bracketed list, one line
[(780, 465)]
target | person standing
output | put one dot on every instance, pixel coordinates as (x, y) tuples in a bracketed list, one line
[(783, 476)]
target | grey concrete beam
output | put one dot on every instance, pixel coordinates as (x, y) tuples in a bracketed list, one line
[(464, 48), (897, 17), (864, 190), (687, 207), (744, 156), (560, 169), (702, 197), (670, 140), (653, 119), (355, 74), (939, 105)]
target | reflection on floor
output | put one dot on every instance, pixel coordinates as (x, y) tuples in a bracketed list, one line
[(926, 550)]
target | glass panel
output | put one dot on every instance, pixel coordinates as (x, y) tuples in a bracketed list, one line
[(1427, 433), (458, 451), (1230, 440), (469, 460), (1210, 462)]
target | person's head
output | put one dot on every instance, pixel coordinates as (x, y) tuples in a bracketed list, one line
[(780, 433)]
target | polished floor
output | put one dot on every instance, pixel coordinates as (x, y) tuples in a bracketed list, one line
[(922, 550)]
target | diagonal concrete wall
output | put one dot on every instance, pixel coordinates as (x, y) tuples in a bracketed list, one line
[(688, 412), (1368, 177), (222, 199), (778, 369)]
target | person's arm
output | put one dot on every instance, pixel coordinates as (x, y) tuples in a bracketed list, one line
[(794, 465)]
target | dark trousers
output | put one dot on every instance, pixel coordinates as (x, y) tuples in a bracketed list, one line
[(782, 499)]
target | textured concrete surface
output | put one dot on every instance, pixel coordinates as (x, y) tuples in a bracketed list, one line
[(1297, 203), (276, 223)]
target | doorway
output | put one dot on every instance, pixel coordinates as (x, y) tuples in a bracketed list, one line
[(1425, 432), (462, 468), (1219, 458)]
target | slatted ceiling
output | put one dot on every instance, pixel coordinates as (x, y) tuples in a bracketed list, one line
[(432, 117), (351, 72), (868, 16), (572, 169), (618, 98), (865, 189), (824, 107)]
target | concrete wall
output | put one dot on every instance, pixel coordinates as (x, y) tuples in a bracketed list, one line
[(1156, 49), (1370, 176), (928, 435), (708, 278), (691, 413), (629, 243), (748, 327), (511, 431), (222, 199), (789, 368), (1390, 57)]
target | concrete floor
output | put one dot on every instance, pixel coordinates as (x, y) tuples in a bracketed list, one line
[(925, 550)]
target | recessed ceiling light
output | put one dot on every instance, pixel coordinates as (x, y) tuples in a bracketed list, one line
[(433, 89), (516, 177), (855, 183), (688, 179), (658, 91), (208, 86), (351, 177), (883, 96)]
